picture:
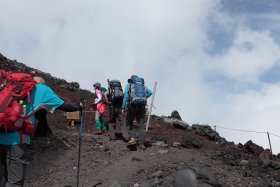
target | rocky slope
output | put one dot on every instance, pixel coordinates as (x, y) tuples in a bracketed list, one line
[(171, 146)]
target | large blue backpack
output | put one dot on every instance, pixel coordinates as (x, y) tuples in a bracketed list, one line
[(137, 93)]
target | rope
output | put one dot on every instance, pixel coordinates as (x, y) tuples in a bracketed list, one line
[(240, 130), (274, 135)]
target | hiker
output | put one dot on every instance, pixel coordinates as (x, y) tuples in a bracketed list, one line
[(42, 127), (114, 97), (100, 109), (14, 144), (134, 106)]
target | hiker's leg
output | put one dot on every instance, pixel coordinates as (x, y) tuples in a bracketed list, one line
[(16, 164), (121, 119), (140, 116), (129, 122), (3, 166), (103, 125), (97, 120), (112, 123)]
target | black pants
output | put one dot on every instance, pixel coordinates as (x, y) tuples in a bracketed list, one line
[(138, 112), (42, 127), (116, 114), (13, 162)]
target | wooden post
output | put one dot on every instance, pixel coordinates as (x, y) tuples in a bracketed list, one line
[(151, 106), (269, 144)]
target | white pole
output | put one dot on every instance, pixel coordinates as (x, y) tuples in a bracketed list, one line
[(151, 106)]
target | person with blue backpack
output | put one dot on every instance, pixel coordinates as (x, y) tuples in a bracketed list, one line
[(134, 106)]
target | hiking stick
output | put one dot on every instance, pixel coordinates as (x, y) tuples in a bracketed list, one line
[(80, 140), (80, 145)]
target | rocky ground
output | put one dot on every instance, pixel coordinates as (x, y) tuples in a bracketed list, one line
[(171, 145), (111, 163)]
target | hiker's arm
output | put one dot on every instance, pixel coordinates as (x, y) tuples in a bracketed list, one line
[(148, 92), (69, 107), (98, 98), (106, 95), (125, 97)]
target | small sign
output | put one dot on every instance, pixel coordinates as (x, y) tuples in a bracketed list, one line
[(73, 115)]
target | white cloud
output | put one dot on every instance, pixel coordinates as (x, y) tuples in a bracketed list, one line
[(252, 53)]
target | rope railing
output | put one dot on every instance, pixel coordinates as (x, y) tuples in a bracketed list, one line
[(274, 135), (240, 130), (260, 132)]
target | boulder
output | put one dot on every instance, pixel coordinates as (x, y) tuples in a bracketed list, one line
[(253, 148), (175, 114), (176, 122)]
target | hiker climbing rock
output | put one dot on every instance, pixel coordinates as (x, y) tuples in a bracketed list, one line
[(114, 97), (100, 109), (134, 106)]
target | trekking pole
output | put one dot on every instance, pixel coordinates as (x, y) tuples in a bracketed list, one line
[(151, 106), (80, 144)]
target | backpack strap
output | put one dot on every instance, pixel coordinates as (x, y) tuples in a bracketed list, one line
[(129, 93)]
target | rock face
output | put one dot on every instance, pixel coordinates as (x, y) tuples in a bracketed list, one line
[(177, 153)]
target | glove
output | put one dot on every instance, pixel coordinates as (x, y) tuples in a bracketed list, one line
[(123, 111), (82, 104)]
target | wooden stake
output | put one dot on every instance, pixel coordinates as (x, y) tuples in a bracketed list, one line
[(151, 106)]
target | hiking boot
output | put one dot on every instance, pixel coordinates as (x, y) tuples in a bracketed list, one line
[(98, 132), (142, 147), (132, 141)]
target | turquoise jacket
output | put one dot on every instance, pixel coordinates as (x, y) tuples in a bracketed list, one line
[(126, 94), (41, 97)]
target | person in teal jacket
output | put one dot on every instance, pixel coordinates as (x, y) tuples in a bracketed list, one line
[(13, 147), (135, 111)]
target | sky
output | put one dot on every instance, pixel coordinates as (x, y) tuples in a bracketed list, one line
[(216, 62)]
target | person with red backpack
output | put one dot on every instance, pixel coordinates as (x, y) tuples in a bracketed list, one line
[(134, 106), (17, 122)]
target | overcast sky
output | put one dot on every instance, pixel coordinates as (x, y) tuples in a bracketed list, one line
[(216, 61)]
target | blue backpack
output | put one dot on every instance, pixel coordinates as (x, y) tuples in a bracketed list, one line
[(137, 94)]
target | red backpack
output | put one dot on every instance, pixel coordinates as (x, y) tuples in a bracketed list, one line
[(13, 88)]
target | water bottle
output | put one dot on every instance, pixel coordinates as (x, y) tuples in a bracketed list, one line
[(23, 111), (21, 102), (19, 121)]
